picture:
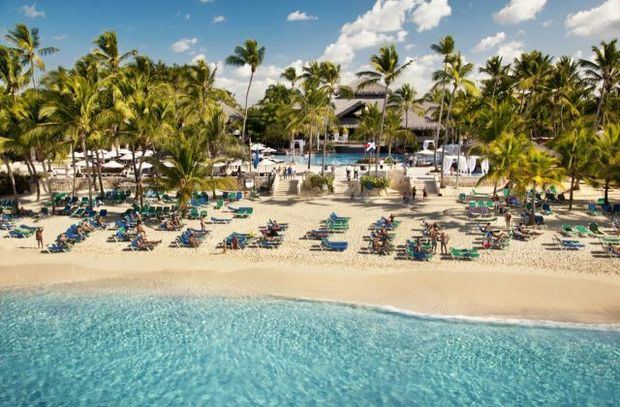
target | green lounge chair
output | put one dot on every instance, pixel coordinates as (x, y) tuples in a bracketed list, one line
[(583, 231), (464, 254), (476, 193), (568, 230), (219, 204), (595, 229)]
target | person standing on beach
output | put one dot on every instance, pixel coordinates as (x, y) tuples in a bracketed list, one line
[(202, 223), (444, 243), (413, 192), (39, 237), (424, 194), (434, 240), (507, 218)]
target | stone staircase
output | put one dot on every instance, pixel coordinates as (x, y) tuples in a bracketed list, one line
[(286, 187), (427, 182)]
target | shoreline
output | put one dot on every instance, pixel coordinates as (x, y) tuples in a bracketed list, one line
[(472, 293)]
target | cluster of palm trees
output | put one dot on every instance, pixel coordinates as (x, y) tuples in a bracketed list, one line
[(111, 99), (536, 119)]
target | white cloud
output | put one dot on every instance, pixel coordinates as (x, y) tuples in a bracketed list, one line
[(547, 23), (420, 71), (187, 16), (510, 50), (517, 11), (601, 21), (60, 37), (490, 42), (382, 24), (429, 14), (218, 19), (300, 16), (409, 47), (31, 11), (184, 44), (206, 1)]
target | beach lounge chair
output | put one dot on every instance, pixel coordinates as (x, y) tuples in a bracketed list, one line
[(583, 231), (591, 209), (335, 217), (546, 209), (134, 246), (609, 239), (476, 193), (595, 229), (317, 234), (568, 230), (56, 248), (462, 197), (411, 254), (607, 209), (463, 254), (265, 243), (219, 204), (19, 233), (220, 221), (328, 245), (568, 244)]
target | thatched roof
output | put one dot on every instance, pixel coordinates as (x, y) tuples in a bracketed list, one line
[(232, 113), (349, 110)]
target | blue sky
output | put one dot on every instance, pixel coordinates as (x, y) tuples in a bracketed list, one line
[(295, 31)]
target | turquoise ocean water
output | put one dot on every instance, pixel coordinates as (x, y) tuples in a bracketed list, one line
[(69, 349)]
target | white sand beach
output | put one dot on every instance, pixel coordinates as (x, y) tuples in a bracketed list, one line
[(528, 280)]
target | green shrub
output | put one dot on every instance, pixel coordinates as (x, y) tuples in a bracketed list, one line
[(371, 182), (318, 181)]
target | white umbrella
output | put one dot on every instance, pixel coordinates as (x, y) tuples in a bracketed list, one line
[(257, 146), (113, 165), (123, 151), (126, 157), (218, 165), (167, 164), (146, 166), (268, 150), (79, 155), (80, 163)]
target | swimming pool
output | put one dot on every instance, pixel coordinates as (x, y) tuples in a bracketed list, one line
[(65, 349), (332, 158)]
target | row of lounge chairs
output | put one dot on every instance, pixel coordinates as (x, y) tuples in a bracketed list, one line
[(272, 235), (191, 238), (606, 208), (75, 234), (381, 236)]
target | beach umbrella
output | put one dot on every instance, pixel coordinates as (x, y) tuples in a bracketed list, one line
[(218, 165), (267, 162), (258, 146), (78, 154), (123, 151), (146, 166), (113, 165), (126, 157), (269, 150), (168, 164)]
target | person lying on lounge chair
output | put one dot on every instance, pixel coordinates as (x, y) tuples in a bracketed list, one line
[(192, 240), (234, 243), (141, 240)]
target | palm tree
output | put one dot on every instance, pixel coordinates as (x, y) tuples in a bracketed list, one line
[(77, 110), (11, 72), (564, 91), (27, 42), (445, 47), (369, 123), (575, 147), (190, 169), (108, 53), (8, 145), (606, 163), (250, 54), (326, 76), (387, 68), (540, 170), (456, 76), (603, 72), (505, 155), (394, 128), (290, 74), (496, 71), (405, 99)]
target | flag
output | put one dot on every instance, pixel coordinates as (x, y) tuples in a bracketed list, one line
[(255, 158), (370, 146)]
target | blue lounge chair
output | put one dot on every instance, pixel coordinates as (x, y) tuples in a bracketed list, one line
[(333, 246), (567, 244), (220, 221), (57, 248)]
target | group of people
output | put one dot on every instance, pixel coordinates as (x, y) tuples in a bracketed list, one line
[(435, 235), (286, 172), (351, 172)]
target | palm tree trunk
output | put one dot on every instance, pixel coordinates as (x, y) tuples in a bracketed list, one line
[(607, 191), (135, 175), (436, 141), (34, 81), (443, 151), (458, 160), (74, 171), (102, 192), (324, 150), (11, 176), (599, 107), (245, 115), (90, 187), (35, 178), (381, 130), (310, 151), (572, 187)]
